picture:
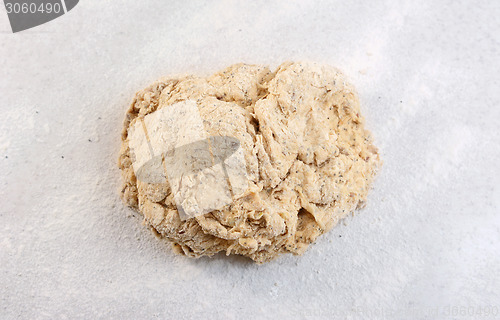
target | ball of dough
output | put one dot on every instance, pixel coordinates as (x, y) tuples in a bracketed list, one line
[(309, 160)]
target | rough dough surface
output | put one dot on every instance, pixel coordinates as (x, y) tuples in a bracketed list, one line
[(310, 162)]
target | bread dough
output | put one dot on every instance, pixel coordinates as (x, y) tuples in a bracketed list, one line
[(309, 160)]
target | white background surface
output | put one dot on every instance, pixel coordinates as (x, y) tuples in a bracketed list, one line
[(427, 73)]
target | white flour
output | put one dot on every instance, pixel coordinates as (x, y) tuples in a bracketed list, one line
[(427, 76)]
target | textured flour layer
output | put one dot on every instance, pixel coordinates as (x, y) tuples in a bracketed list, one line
[(309, 160)]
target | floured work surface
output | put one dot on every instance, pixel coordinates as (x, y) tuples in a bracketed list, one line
[(294, 158)]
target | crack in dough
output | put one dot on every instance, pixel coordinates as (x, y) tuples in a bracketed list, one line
[(309, 160)]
